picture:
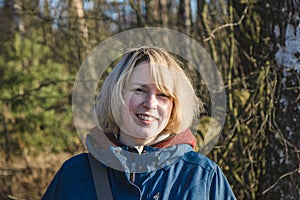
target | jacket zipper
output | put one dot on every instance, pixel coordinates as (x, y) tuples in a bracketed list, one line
[(132, 177), (140, 150)]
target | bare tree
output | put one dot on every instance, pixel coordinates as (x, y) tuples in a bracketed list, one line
[(184, 16), (77, 13)]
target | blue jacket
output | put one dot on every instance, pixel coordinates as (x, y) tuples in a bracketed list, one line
[(182, 174)]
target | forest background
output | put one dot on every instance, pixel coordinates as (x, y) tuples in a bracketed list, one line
[(254, 43)]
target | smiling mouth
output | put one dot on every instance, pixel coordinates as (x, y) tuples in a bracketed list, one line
[(146, 117)]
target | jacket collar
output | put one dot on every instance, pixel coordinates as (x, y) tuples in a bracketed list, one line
[(109, 152), (185, 137)]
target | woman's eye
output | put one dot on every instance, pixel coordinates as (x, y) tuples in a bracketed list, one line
[(140, 90), (163, 95)]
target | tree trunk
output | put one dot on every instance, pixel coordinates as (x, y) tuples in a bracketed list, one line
[(7, 26), (184, 16), (152, 9), (164, 13), (76, 7), (199, 21), (283, 158)]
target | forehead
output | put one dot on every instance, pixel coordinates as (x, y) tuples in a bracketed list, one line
[(145, 73), (142, 73)]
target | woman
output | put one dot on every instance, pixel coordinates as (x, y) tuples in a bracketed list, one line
[(143, 146)]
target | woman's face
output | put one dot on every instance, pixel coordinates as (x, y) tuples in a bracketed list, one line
[(146, 111)]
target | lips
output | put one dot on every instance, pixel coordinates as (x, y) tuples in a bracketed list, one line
[(146, 117)]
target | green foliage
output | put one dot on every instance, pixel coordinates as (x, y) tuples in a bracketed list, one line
[(35, 90)]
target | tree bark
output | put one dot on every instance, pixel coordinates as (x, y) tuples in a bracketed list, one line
[(76, 7), (152, 9), (164, 13), (184, 16)]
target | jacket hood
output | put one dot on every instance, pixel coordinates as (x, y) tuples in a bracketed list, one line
[(107, 149)]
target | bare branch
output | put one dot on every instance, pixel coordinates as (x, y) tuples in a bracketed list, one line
[(211, 35), (280, 178)]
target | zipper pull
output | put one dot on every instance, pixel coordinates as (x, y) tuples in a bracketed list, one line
[(132, 177), (156, 197)]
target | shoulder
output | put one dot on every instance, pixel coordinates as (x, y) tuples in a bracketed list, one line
[(73, 180), (207, 170), (79, 160), (218, 186), (75, 168), (199, 160)]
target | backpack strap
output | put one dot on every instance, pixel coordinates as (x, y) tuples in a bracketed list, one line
[(100, 178)]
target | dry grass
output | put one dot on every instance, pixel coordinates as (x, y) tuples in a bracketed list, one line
[(28, 177)]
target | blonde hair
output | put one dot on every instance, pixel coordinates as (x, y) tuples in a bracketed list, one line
[(169, 77)]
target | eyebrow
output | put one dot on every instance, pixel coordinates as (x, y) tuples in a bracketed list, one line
[(140, 84), (145, 85)]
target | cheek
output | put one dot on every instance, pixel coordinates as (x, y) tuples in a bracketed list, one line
[(133, 103), (170, 108), (167, 109)]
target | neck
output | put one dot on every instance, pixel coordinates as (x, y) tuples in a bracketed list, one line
[(134, 141)]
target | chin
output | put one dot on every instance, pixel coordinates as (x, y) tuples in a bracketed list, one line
[(147, 135), (144, 135)]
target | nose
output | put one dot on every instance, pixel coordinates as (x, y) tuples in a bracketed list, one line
[(150, 102)]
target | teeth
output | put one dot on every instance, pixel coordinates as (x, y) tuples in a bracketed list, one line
[(145, 117)]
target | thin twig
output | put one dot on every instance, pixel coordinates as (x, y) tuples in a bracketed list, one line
[(211, 35), (281, 177)]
